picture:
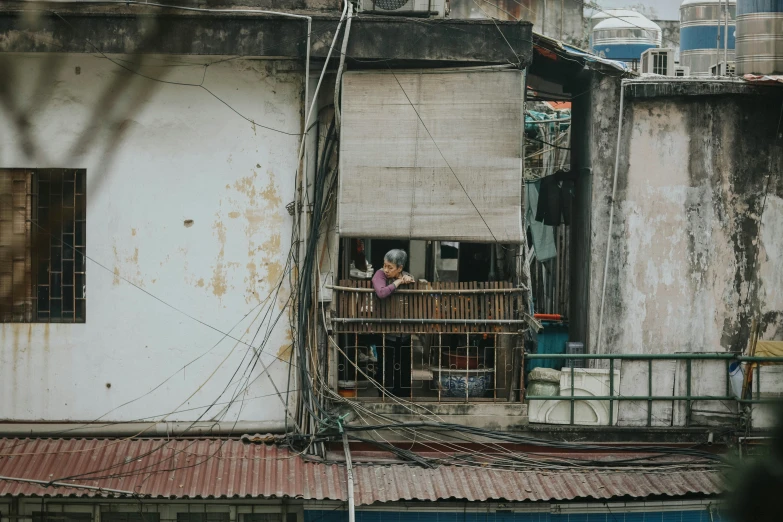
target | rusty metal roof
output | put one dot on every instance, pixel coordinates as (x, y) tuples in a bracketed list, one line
[(211, 468)]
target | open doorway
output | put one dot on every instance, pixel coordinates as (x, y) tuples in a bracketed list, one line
[(550, 193)]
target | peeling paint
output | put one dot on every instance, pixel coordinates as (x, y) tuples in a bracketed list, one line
[(284, 352), (116, 280), (218, 282)]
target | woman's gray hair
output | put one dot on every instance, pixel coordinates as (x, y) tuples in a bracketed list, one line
[(396, 256)]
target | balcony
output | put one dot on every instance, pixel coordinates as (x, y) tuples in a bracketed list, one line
[(430, 342)]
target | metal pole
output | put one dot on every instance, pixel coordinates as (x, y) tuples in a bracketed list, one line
[(572, 395), (688, 392), (611, 391), (649, 391), (717, 43), (654, 356), (726, 41), (349, 472), (642, 398)]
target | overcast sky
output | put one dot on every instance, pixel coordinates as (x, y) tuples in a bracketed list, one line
[(665, 9)]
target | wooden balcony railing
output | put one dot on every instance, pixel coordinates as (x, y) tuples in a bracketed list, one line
[(474, 307)]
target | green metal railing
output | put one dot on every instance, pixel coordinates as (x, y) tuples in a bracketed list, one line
[(650, 398)]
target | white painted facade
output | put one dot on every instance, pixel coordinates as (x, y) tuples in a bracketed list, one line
[(185, 200)]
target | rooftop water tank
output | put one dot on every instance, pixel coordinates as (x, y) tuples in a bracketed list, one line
[(600, 16), (625, 37), (759, 37), (703, 33)]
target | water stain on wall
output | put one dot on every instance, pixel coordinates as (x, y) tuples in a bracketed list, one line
[(218, 282), (261, 212), (284, 352), (126, 265), (116, 280)]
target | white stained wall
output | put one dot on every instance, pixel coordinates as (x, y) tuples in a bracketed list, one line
[(687, 232), (186, 201)]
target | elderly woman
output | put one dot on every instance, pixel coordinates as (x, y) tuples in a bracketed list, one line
[(391, 276), (394, 351)]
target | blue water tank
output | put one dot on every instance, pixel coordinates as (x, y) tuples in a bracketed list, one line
[(703, 34), (625, 38), (759, 37)]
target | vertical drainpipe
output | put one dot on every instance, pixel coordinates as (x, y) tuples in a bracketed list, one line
[(349, 477), (726, 40), (523, 270)]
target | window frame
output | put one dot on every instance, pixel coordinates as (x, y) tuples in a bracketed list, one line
[(54, 252)]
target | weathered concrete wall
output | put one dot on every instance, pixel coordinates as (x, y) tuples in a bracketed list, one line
[(186, 200), (560, 19), (696, 250), (80, 27), (670, 37)]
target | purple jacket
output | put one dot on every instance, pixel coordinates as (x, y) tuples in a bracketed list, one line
[(382, 290)]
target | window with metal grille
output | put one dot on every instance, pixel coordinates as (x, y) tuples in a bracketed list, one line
[(39, 516), (42, 245), (660, 63), (203, 517), (111, 516)]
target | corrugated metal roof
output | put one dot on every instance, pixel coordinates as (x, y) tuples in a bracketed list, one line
[(391, 483), (209, 468)]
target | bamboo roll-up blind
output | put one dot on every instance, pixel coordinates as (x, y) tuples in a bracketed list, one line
[(451, 172)]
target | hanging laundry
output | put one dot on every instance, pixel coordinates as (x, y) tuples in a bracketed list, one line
[(556, 199), (543, 236), (549, 201)]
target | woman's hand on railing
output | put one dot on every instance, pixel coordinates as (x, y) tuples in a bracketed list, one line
[(404, 280)]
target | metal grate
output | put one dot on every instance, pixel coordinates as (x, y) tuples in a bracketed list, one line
[(433, 368), (60, 241)]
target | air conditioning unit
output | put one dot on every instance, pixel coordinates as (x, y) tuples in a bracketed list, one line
[(722, 69), (682, 70), (658, 61), (435, 8)]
